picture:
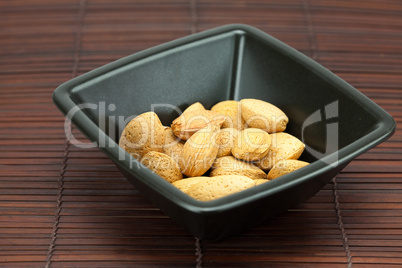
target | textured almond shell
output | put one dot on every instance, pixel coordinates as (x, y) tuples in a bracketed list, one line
[(143, 134), (225, 140), (231, 110), (285, 167), (220, 186), (185, 184), (190, 122), (197, 106), (163, 165), (251, 144), (199, 152), (263, 115), (173, 146), (260, 181), (228, 165), (283, 146)]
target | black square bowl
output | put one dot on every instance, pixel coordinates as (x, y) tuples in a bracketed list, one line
[(334, 120)]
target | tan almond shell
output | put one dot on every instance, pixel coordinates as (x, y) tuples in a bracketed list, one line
[(283, 146), (228, 165), (260, 181), (197, 106), (251, 144), (143, 134), (173, 146), (225, 140), (185, 184), (199, 152), (190, 122), (163, 165), (263, 115), (285, 167), (220, 186), (231, 110)]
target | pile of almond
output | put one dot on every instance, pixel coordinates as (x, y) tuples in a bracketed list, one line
[(209, 154)]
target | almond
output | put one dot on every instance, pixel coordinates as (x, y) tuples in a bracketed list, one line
[(260, 181), (143, 134), (163, 165), (220, 186), (285, 167), (231, 110), (228, 165), (190, 122), (263, 115), (173, 146), (199, 152), (225, 140), (185, 184), (283, 146), (195, 107), (251, 144)]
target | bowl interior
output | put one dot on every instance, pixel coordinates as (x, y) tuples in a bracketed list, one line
[(166, 83), (326, 114)]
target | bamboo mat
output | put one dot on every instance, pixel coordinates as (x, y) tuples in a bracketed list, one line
[(63, 206)]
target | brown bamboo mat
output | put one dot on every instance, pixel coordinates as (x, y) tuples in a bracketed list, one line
[(62, 206)]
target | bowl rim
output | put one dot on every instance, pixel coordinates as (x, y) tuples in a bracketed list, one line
[(384, 129)]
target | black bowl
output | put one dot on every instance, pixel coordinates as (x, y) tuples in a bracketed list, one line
[(335, 121)]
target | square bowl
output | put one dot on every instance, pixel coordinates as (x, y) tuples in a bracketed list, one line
[(335, 121)]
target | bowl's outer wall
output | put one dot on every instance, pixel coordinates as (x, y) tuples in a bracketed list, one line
[(230, 222), (216, 226), (220, 65)]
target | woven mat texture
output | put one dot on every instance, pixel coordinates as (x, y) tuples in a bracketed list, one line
[(63, 206)]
